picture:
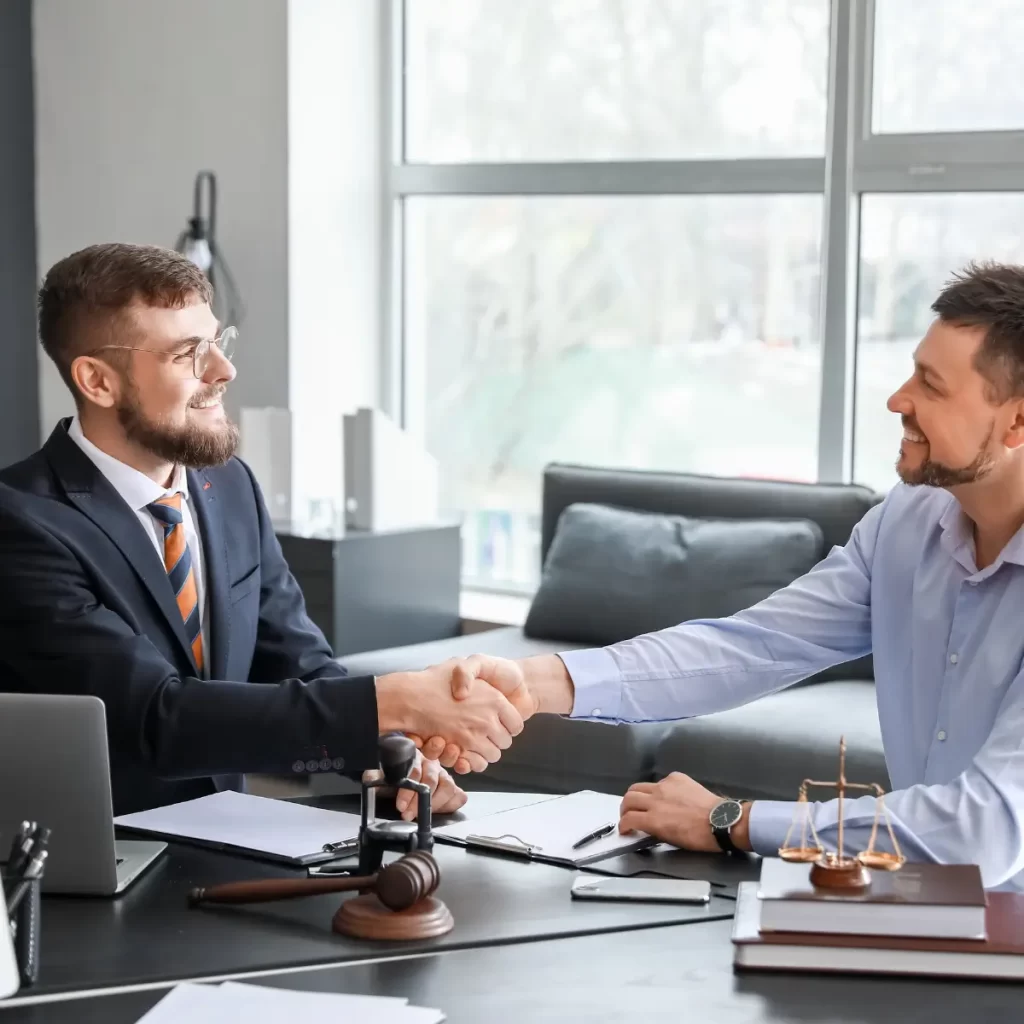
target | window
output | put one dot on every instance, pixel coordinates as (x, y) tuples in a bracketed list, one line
[(671, 332), (948, 66), (614, 79), (632, 233), (910, 247)]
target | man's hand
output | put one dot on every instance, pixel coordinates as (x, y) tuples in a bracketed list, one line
[(676, 810), (481, 724), (504, 675), (445, 796)]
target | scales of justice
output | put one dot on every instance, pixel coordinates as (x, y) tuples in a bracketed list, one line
[(837, 870)]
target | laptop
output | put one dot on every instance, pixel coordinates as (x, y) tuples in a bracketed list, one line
[(55, 770)]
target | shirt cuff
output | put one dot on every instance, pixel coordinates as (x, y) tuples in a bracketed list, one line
[(768, 824), (597, 682)]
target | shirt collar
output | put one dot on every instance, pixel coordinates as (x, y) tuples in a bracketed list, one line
[(958, 540), (137, 489)]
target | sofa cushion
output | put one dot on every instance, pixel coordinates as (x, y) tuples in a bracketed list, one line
[(614, 573), (768, 747)]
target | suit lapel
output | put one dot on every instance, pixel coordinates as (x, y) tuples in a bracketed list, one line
[(203, 497), (94, 496)]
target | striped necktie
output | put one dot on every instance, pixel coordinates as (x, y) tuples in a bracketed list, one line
[(178, 563)]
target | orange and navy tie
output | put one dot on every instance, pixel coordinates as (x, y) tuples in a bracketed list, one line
[(178, 563)]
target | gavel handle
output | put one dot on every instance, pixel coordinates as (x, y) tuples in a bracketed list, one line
[(265, 890)]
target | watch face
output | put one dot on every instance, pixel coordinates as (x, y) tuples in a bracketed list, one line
[(726, 814)]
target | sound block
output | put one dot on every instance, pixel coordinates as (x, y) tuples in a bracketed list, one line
[(365, 917)]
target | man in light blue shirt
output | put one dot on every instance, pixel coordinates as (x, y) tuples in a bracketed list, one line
[(931, 583)]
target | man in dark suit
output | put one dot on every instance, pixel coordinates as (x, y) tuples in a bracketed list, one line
[(140, 565)]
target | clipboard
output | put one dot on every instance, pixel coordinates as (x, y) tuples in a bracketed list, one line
[(545, 831)]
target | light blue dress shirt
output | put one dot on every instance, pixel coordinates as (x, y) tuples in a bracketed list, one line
[(948, 644)]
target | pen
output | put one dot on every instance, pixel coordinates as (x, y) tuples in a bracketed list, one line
[(600, 833), (20, 848), (32, 872)]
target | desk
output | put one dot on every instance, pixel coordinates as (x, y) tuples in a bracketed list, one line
[(665, 975), (150, 934)]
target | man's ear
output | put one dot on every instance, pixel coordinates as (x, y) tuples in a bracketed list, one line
[(97, 382), (1015, 432)]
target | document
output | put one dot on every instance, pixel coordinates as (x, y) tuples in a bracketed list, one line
[(275, 829), (547, 830), (234, 1003)]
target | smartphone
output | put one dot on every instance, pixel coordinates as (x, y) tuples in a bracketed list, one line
[(643, 890)]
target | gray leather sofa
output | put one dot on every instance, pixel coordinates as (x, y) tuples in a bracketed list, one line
[(763, 749)]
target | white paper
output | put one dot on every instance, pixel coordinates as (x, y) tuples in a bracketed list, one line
[(553, 825), (232, 1003), (256, 823)]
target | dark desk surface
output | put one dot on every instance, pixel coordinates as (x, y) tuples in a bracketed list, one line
[(149, 934), (664, 974)]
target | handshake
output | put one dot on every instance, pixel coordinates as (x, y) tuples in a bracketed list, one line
[(465, 711)]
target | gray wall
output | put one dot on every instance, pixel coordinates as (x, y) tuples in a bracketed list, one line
[(132, 99), (19, 406)]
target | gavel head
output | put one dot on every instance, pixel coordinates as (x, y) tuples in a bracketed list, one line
[(408, 880), (397, 756)]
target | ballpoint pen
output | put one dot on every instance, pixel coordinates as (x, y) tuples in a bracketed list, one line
[(32, 872), (21, 848), (599, 833)]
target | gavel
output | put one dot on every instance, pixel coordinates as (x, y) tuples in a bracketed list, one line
[(398, 886)]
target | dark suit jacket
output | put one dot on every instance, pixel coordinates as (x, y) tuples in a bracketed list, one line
[(86, 607)]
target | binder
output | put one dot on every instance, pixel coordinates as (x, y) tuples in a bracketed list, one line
[(545, 831)]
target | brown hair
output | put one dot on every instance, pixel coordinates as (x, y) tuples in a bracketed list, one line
[(991, 295), (93, 287)]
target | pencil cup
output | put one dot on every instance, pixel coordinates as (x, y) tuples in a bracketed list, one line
[(23, 924)]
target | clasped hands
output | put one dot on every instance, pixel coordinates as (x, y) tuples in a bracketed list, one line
[(469, 709)]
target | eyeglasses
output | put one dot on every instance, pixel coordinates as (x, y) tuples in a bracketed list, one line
[(199, 354)]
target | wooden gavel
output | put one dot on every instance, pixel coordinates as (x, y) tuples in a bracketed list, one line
[(398, 886)]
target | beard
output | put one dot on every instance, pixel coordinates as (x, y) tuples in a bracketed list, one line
[(937, 474), (192, 446)]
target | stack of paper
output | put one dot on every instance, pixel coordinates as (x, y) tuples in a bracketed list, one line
[(235, 1003), (273, 829)]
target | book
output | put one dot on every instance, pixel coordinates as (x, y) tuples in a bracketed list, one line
[(929, 900), (547, 830), (1001, 955)]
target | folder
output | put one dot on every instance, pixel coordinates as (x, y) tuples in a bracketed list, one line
[(546, 831), (255, 826)]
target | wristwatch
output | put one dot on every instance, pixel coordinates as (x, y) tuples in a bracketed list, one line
[(724, 815)]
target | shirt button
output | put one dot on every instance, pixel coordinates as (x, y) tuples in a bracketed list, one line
[(953, 659), (596, 712), (942, 735)]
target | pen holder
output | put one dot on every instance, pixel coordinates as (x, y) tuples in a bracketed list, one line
[(24, 924)]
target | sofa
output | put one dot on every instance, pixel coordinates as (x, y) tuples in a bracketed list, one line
[(761, 750)]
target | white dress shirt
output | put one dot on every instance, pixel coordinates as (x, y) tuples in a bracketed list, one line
[(138, 490)]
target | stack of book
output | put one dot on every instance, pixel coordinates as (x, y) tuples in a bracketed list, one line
[(929, 919)]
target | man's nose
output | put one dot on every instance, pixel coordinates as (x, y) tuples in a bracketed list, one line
[(899, 403), (219, 369)]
